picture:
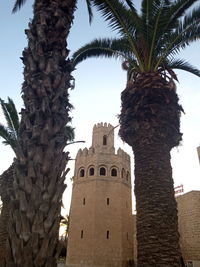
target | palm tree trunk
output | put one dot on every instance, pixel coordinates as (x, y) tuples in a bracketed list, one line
[(40, 167), (150, 123), (157, 225), (3, 230), (6, 185)]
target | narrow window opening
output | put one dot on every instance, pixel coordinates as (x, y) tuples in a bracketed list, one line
[(91, 171), (82, 173), (123, 173), (127, 176), (107, 234), (81, 233), (102, 171), (104, 140), (84, 201), (114, 172), (108, 201)]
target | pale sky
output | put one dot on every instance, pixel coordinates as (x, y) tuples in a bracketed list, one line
[(96, 96)]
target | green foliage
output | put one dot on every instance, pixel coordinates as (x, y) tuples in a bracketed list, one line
[(18, 4), (149, 40), (64, 222), (10, 132)]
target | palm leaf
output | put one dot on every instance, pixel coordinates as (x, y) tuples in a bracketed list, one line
[(88, 2), (18, 4), (183, 65), (121, 19), (187, 32), (13, 114), (110, 48), (70, 134), (8, 137), (4, 132), (10, 114), (179, 7), (156, 32), (148, 40)]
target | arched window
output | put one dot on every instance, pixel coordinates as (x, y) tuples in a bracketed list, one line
[(102, 171), (105, 140), (127, 176), (123, 173), (82, 173), (114, 172), (91, 171)]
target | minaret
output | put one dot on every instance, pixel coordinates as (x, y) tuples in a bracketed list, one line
[(100, 229)]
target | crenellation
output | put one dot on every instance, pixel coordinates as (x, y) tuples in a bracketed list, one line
[(80, 152), (85, 151)]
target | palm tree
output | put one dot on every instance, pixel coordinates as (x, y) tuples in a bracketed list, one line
[(148, 43), (40, 166), (10, 134)]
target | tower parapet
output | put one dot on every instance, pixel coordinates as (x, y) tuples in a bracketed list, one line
[(102, 155), (103, 138)]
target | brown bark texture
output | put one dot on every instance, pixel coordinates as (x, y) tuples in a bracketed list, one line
[(40, 165), (6, 185), (150, 123)]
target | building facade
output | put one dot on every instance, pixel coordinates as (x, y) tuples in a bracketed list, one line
[(100, 229)]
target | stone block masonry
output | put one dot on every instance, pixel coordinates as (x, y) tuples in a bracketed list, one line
[(189, 225)]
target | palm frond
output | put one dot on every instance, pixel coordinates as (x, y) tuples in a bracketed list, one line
[(8, 137), (183, 65), (70, 134), (174, 14), (148, 39), (179, 7), (116, 13), (131, 6), (4, 132), (121, 19), (13, 114), (116, 48), (185, 33), (18, 4), (10, 114), (157, 25), (90, 13)]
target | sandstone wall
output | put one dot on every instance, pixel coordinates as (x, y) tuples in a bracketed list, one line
[(189, 225)]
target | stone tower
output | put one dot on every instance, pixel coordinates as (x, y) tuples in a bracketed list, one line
[(100, 229)]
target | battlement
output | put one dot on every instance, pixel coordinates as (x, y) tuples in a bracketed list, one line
[(102, 124), (103, 138), (85, 152)]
